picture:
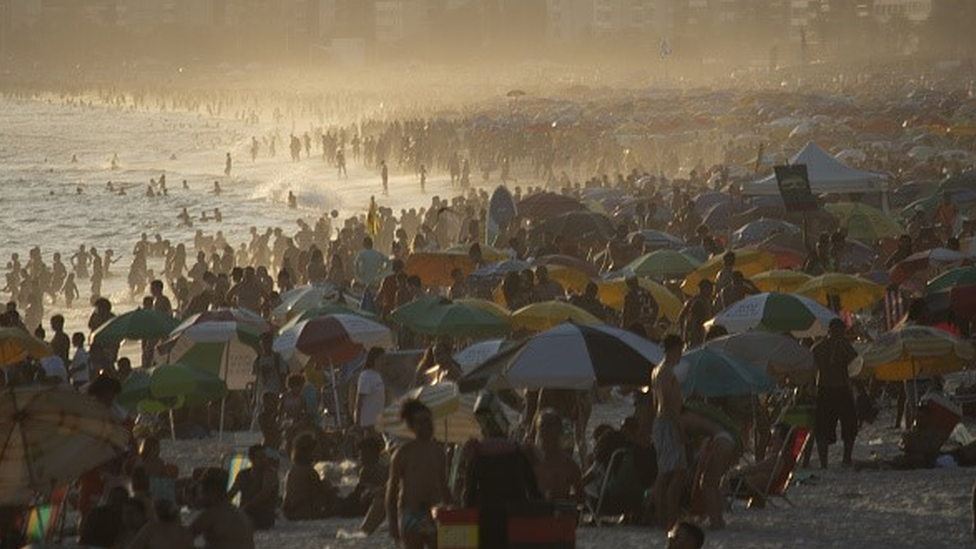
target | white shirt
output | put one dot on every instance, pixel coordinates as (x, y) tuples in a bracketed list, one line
[(53, 367), (79, 367), (372, 396)]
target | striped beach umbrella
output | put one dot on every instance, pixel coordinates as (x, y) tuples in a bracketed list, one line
[(774, 312), (569, 356), (913, 351), (331, 339), (49, 436), (452, 412)]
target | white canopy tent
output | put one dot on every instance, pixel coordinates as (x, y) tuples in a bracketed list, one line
[(827, 176)]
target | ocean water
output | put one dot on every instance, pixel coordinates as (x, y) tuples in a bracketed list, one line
[(40, 204)]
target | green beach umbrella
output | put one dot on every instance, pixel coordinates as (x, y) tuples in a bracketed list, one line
[(442, 317), (961, 276), (864, 222), (710, 373), (663, 264), (168, 387), (137, 324)]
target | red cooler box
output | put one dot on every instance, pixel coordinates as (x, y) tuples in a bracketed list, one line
[(457, 528), (943, 413), (541, 526)]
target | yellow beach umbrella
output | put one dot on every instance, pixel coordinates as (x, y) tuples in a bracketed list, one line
[(914, 351), (780, 280), (854, 292), (16, 345), (548, 314), (748, 261), (612, 292), (570, 278), (864, 222)]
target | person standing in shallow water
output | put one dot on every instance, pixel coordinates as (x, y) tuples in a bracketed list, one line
[(385, 176), (227, 165)]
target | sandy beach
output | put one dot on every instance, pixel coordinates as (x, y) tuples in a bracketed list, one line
[(838, 508)]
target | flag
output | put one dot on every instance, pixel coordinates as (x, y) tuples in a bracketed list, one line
[(665, 48), (373, 218)]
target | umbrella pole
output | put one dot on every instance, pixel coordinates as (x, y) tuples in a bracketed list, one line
[(223, 406), (172, 426), (335, 395)]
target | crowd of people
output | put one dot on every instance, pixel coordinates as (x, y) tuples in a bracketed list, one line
[(676, 445)]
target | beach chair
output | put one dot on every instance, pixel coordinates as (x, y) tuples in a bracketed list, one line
[(619, 491), (44, 521), (235, 462), (782, 474)]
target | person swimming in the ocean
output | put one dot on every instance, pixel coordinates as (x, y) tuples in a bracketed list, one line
[(216, 189), (292, 200)]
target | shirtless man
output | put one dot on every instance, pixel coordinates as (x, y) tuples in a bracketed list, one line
[(559, 477), (248, 293), (668, 440), (222, 525), (418, 481)]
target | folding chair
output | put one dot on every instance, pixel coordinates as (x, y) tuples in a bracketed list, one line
[(619, 479), (44, 521), (782, 473), (235, 462), (779, 481)]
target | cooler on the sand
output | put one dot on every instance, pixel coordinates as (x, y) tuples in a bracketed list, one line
[(541, 525), (943, 414), (457, 528)]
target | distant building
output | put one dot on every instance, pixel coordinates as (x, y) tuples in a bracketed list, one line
[(915, 11)]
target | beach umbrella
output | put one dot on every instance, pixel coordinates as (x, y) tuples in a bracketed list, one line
[(438, 316), (329, 309), (218, 342), (780, 280), (913, 351), (748, 261), (332, 339), (434, 268), (499, 270), (569, 356), (961, 276), (662, 264), (761, 229), (710, 373), (476, 354), (864, 222), (612, 294), (660, 239), (16, 345), (854, 292), (50, 435), (546, 205), (775, 312), (137, 324), (169, 387), (926, 264), (575, 226), (778, 355), (547, 314), (452, 412), (303, 298)]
